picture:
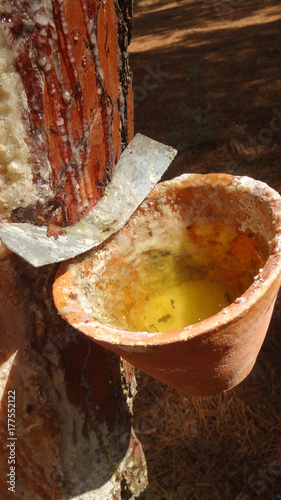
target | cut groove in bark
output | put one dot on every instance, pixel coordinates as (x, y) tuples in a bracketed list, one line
[(73, 62)]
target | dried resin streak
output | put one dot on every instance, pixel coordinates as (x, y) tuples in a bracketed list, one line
[(69, 57)]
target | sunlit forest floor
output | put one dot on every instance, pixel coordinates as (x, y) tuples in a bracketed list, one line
[(207, 80)]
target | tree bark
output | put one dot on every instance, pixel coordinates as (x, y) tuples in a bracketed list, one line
[(67, 100), (72, 60)]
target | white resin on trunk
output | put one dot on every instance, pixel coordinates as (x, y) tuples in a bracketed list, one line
[(16, 186)]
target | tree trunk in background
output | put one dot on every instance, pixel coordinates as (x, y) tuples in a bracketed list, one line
[(65, 116)]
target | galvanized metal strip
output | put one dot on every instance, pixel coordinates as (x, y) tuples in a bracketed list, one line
[(138, 170)]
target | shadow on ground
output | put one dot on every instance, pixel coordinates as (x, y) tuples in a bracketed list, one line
[(210, 85), (207, 79)]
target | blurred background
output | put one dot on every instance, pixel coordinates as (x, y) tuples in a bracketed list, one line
[(207, 80)]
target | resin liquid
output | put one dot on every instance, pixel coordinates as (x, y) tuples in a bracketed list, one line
[(184, 304), (168, 296)]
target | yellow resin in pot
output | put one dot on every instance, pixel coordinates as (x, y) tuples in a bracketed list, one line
[(166, 294), (185, 291)]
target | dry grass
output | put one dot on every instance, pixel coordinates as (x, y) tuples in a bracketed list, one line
[(225, 447)]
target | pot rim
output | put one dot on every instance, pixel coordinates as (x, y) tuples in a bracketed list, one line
[(70, 308)]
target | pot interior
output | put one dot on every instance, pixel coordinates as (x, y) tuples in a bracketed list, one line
[(188, 252)]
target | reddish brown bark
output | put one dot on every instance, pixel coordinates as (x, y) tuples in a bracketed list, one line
[(73, 400), (72, 58)]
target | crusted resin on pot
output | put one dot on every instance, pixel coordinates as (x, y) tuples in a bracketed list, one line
[(215, 227), (187, 253)]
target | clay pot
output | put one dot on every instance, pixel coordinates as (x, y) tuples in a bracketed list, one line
[(195, 227)]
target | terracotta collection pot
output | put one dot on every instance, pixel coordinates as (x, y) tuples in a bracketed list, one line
[(195, 229)]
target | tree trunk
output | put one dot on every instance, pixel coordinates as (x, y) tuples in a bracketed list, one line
[(74, 97), (66, 114)]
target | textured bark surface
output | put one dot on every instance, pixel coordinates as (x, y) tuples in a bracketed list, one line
[(73, 399), (73, 62)]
